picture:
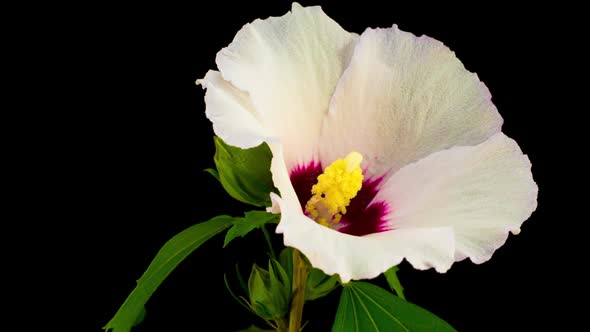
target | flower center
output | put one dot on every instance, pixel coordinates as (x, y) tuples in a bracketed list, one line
[(336, 187)]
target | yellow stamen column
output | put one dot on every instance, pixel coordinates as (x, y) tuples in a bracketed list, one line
[(336, 186)]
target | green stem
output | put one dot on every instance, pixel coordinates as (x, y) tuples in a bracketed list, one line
[(267, 237), (300, 273)]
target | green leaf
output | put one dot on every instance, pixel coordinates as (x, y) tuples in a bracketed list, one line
[(171, 254), (393, 281), (319, 284), (366, 307), (245, 173), (140, 317), (213, 172), (251, 221)]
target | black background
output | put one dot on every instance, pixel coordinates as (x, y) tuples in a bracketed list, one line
[(139, 140)]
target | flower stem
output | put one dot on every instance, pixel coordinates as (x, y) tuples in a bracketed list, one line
[(268, 242), (300, 273)]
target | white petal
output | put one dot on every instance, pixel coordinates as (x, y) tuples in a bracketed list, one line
[(483, 192), (354, 257), (231, 112), (289, 66), (401, 98), (281, 179)]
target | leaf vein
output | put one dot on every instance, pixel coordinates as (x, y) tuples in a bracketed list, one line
[(383, 309)]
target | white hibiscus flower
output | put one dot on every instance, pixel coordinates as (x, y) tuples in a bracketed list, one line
[(409, 143)]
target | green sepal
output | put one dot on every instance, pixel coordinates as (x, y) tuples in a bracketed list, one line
[(269, 291)]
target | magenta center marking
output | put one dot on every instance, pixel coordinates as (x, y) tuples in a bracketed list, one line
[(361, 217)]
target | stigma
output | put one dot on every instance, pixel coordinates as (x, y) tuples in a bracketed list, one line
[(336, 187)]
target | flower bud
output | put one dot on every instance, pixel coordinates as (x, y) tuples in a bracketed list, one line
[(269, 291)]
